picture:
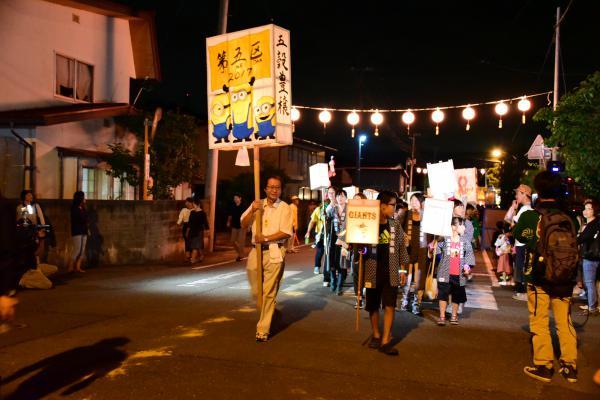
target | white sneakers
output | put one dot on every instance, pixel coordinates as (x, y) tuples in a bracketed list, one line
[(520, 296)]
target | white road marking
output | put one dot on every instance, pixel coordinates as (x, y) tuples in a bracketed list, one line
[(213, 279), (232, 261), (489, 266), (480, 296), (246, 286), (214, 265), (304, 284)]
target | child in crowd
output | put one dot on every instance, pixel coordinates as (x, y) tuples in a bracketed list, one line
[(504, 251), (457, 257)]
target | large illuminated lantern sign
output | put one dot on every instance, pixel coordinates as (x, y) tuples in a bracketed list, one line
[(249, 88)]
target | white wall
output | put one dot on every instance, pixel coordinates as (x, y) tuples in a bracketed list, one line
[(31, 31), (93, 135)]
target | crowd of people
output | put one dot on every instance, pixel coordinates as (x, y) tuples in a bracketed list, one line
[(541, 250)]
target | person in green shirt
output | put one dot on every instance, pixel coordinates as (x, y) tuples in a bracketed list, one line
[(543, 295)]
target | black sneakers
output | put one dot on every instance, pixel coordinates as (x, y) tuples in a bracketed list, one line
[(539, 372), (374, 343), (388, 349), (569, 372)]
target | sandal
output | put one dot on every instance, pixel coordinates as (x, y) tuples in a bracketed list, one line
[(441, 321), (454, 320)]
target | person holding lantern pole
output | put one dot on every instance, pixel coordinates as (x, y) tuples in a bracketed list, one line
[(384, 273), (416, 243), (276, 229), (329, 235)]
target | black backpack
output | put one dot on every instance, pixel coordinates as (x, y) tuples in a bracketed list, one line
[(557, 248)]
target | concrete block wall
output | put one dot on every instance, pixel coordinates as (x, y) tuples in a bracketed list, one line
[(121, 232)]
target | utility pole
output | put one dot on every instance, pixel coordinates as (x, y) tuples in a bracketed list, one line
[(212, 161), (556, 69), (146, 161), (412, 160)]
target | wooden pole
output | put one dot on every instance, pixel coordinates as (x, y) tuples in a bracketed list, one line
[(360, 283), (325, 244), (146, 161), (258, 246)]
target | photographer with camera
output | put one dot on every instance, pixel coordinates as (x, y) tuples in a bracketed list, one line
[(32, 232), (29, 208)]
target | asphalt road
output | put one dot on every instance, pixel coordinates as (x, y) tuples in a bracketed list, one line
[(173, 332)]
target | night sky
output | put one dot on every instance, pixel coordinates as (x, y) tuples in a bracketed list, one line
[(394, 54)]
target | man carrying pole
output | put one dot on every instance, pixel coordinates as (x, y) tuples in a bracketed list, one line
[(270, 236)]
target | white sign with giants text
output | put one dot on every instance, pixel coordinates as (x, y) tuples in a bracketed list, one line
[(362, 221)]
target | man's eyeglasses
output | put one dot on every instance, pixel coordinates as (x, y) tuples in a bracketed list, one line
[(273, 187)]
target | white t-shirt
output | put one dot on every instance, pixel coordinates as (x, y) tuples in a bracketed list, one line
[(277, 217), (524, 207)]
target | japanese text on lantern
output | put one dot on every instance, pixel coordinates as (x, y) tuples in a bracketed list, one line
[(235, 61), (282, 74)]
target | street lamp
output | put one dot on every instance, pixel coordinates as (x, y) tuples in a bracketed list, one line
[(361, 139), (496, 153)]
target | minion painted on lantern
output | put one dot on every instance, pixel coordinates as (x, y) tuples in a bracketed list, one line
[(241, 111), (264, 113), (220, 117)]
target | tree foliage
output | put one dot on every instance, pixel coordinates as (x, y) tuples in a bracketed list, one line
[(575, 128), (493, 175), (123, 164), (174, 151)]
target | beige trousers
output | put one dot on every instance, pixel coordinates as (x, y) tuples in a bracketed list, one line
[(272, 273), (539, 326)]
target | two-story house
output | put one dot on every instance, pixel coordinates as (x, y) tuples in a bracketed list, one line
[(65, 73)]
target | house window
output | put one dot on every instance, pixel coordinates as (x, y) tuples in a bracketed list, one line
[(88, 182), (74, 79), (98, 185)]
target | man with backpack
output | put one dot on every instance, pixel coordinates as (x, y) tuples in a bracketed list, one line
[(551, 240)]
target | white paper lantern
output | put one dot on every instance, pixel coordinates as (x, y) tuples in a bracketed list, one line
[(408, 117), (501, 109), (523, 105), (437, 116), (376, 119), (353, 118), (325, 118), (295, 114), (468, 113)]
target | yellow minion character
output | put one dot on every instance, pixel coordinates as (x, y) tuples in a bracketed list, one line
[(241, 111), (220, 117), (264, 113)]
